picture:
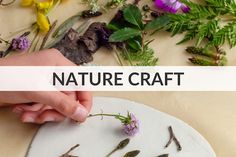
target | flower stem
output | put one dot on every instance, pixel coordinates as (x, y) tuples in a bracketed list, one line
[(108, 115), (1, 39), (127, 55), (118, 56)]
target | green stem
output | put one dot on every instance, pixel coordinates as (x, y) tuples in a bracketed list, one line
[(118, 56), (34, 38), (127, 55), (108, 115), (113, 151), (102, 114)]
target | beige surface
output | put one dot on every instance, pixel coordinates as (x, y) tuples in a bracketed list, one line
[(213, 114)]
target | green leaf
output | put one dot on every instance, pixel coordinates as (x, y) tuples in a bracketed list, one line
[(112, 26), (133, 15), (188, 36), (157, 23), (65, 26), (134, 44), (227, 33), (124, 34)]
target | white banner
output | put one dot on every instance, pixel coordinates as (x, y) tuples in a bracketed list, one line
[(117, 78)]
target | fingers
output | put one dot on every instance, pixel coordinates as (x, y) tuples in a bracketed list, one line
[(71, 94), (40, 118), (63, 104), (20, 108), (85, 99)]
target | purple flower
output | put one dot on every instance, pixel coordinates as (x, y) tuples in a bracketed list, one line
[(171, 6), (131, 125), (185, 8), (130, 122), (21, 43)]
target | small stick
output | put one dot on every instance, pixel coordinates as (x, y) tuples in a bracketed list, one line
[(48, 34), (71, 149), (173, 138), (6, 4)]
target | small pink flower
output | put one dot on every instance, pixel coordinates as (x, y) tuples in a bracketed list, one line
[(131, 127), (171, 6)]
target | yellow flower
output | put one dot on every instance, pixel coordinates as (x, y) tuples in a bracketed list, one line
[(46, 5), (26, 3), (43, 22)]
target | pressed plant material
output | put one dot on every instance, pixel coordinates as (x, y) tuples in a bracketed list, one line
[(173, 138), (14, 45), (79, 49), (6, 4), (67, 154), (90, 14), (208, 53), (33, 40), (92, 37), (47, 35), (208, 62), (65, 26), (132, 153), (163, 155), (121, 145), (71, 50)]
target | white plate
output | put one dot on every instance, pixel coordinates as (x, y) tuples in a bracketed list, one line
[(98, 137)]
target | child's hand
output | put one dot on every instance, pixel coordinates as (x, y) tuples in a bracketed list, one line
[(40, 107)]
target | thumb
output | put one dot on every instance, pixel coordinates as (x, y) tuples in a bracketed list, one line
[(63, 104)]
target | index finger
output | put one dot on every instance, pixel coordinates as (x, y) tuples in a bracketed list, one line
[(85, 99)]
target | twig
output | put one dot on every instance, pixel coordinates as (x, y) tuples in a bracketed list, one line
[(70, 150), (173, 138), (6, 4), (48, 34)]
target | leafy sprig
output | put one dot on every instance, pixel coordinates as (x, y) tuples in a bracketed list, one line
[(214, 19), (211, 23), (130, 30)]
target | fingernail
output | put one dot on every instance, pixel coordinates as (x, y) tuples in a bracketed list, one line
[(80, 114), (29, 120), (49, 119), (17, 110)]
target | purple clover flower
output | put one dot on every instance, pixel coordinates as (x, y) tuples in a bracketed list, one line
[(131, 126), (21, 43), (171, 6), (130, 122)]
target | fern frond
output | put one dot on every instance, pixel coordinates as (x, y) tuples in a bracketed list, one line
[(191, 34), (206, 30), (227, 33)]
